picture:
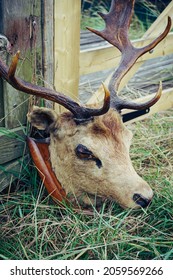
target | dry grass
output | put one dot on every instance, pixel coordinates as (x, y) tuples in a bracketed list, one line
[(33, 227)]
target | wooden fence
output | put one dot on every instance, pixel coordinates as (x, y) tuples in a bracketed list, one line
[(22, 23), (48, 35)]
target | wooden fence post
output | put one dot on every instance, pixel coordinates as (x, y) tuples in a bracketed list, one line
[(66, 47)]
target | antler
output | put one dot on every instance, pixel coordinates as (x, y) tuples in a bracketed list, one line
[(116, 32), (117, 23), (80, 113)]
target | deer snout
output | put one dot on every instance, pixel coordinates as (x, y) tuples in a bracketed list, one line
[(142, 193), (141, 200)]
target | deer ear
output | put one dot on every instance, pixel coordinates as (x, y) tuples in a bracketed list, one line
[(42, 118)]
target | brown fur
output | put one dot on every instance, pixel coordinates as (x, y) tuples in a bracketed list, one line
[(109, 140)]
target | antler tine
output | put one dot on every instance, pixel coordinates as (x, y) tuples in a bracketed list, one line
[(117, 23), (80, 113)]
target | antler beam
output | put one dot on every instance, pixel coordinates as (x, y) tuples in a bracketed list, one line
[(80, 113), (117, 23)]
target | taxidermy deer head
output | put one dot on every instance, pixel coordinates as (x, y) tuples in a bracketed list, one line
[(89, 147)]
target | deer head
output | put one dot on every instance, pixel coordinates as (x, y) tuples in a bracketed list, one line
[(89, 147)]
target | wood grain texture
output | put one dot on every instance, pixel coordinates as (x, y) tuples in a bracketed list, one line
[(12, 145), (164, 103), (66, 47), (101, 58), (48, 45), (21, 25), (11, 171), (1, 104)]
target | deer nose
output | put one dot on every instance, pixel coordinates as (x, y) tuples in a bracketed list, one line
[(141, 200)]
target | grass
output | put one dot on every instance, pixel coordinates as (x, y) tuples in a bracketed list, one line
[(90, 17), (34, 227), (137, 28)]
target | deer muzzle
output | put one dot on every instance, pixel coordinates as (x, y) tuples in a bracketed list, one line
[(141, 200)]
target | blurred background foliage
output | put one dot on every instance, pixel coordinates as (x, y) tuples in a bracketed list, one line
[(145, 12)]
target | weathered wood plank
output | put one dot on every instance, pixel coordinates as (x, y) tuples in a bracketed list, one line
[(145, 80), (66, 46), (12, 144), (164, 103), (48, 45), (21, 25), (1, 104), (10, 172), (23, 28), (90, 40), (94, 60)]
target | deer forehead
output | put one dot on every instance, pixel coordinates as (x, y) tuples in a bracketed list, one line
[(107, 129)]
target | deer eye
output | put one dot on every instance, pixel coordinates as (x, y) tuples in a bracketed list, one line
[(83, 153)]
